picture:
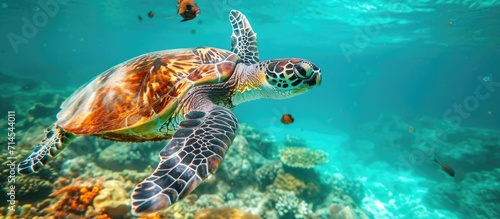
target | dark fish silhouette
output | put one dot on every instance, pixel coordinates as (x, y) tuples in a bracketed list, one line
[(446, 168), (151, 14)]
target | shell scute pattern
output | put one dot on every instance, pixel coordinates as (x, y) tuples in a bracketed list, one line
[(220, 65), (141, 90)]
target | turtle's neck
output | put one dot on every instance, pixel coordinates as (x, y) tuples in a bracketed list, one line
[(246, 83)]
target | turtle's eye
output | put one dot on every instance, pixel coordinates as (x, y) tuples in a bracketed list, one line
[(301, 72)]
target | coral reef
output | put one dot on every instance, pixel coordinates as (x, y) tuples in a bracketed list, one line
[(261, 142), (210, 201), (288, 205), (473, 149), (249, 200), (31, 187), (350, 187), (72, 199), (288, 182), (239, 163), (341, 193), (308, 189), (339, 211), (75, 199), (113, 199), (40, 110), (266, 174), (223, 213), (237, 172), (342, 206), (294, 141), (477, 194), (24, 211), (132, 175), (255, 179), (120, 155), (184, 209), (303, 157)]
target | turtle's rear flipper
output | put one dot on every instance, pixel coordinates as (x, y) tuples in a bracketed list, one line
[(195, 151), (55, 140)]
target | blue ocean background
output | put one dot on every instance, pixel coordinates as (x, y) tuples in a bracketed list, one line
[(383, 62)]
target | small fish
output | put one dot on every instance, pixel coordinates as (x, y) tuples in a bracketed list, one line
[(411, 128), (444, 167), (451, 23), (287, 119), (151, 14), (139, 17), (188, 9)]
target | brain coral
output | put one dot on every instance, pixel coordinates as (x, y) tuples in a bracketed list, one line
[(303, 157)]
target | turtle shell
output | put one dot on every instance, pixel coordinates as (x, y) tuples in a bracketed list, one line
[(132, 100)]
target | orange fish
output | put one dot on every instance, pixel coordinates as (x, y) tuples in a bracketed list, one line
[(444, 167), (287, 119), (187, 9)]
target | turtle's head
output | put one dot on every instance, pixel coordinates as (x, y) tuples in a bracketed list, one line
[(275, 79), (290, 77)]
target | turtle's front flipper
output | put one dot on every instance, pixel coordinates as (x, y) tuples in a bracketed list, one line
[(195, 151), (243, 39), (55, 140)]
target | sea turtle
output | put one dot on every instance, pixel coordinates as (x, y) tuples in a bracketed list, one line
[(185, 95)]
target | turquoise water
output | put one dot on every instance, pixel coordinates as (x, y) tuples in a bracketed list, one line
[(386, 66)]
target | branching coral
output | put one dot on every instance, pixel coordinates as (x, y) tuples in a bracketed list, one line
[(288, 205), (303, 157)]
